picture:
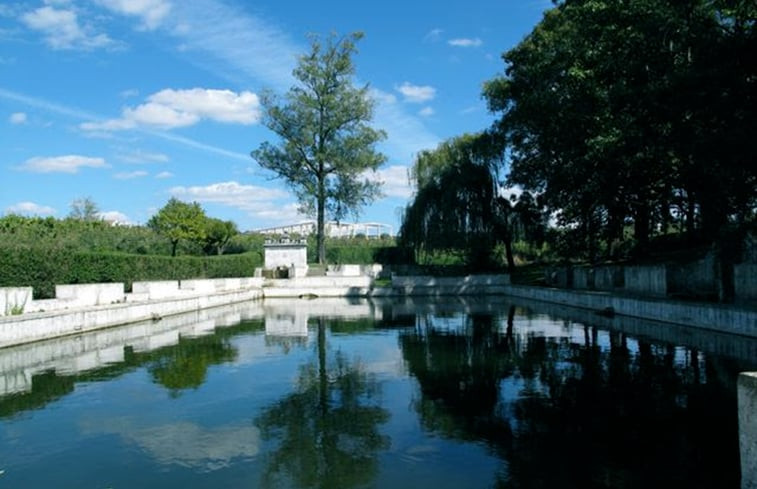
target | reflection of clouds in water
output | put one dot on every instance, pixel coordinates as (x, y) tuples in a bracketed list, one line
[(187, 444)]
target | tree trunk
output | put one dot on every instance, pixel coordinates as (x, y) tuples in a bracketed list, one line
[(320, 231), (509, 254), (173, 247)]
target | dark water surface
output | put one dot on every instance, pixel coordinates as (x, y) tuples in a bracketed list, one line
[(356, 394)]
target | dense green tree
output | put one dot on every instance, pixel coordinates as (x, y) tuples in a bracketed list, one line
[(636, 113), (326, 143), (218, 234), (178, 221)]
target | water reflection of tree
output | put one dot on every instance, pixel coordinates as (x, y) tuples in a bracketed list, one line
[(585, 415), (185, 366), (328, 428)]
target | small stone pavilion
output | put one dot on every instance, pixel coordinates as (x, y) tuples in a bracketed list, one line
[(286, 253)]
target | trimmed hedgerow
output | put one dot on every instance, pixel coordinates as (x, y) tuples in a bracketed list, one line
[(42, 268)]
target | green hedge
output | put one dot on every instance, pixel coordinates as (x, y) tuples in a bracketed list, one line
[(42, 268), (366, 254)]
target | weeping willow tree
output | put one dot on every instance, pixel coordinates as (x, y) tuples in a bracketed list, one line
[(455, 207)]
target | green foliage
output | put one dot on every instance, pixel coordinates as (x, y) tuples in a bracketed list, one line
[(218, 234), (43, 268), (327, 145), (178, 221), (640, 113)]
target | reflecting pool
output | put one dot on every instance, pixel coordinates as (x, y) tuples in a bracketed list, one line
[(388, 394)]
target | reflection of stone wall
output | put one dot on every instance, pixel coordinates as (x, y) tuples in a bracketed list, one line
[(748, 429)]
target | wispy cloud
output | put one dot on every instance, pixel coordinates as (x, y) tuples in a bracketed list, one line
[(395, 181), (150, 12), (76, 113), (62, 30), (170, 108), (260, 202), (140, 157), (130, 175), (416, 93), (426, 111), (164, 174), (61, 164), (249, 45), (30, 208), (18, 118), (434, 35), (465, 42), (406, 134)]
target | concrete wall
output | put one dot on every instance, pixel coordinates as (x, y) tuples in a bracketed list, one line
[(158, 289), (608, 277), (714, 317), (697, 278), (747, 394), (647, 280), (434, 286), (745, 282), (83, 295), (583, 278), (35, 327), (285, 255), (14, 300)]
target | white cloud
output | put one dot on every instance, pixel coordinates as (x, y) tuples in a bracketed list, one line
[(62, 30), (75, 113), (179, 108), (395, 181), (139, 156), (164, 174), (150, 12), (61, 164), (465, 42), (416, 93), (426, 112), (130, 175), (18, 118), (30, 208), (256, 201), (114, 217)]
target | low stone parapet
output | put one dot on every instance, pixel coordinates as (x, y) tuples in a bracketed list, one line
[(159, 289), (83, 295), (14, 300)]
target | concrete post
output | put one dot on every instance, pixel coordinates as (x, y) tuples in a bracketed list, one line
[(747, 394)]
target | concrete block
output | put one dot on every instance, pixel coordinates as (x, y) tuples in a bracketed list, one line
[(608, 277), (200, 286), (745, 282), (161, 289), (747, 397), (583, 278), (81, 295), (14, 300), (646, 279), (343, 271)]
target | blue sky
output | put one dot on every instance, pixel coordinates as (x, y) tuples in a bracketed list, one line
[(132, 102)]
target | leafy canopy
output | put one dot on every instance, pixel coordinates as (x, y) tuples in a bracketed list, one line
[(327, 148)]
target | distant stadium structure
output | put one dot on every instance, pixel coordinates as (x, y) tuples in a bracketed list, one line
[(333, 229)]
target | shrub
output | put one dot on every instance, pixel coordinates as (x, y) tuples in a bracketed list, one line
[(42, 268)]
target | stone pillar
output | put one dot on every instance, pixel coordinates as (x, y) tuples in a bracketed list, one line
[(747, 394)]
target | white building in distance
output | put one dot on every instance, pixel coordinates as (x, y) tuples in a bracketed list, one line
[(333, 229)]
